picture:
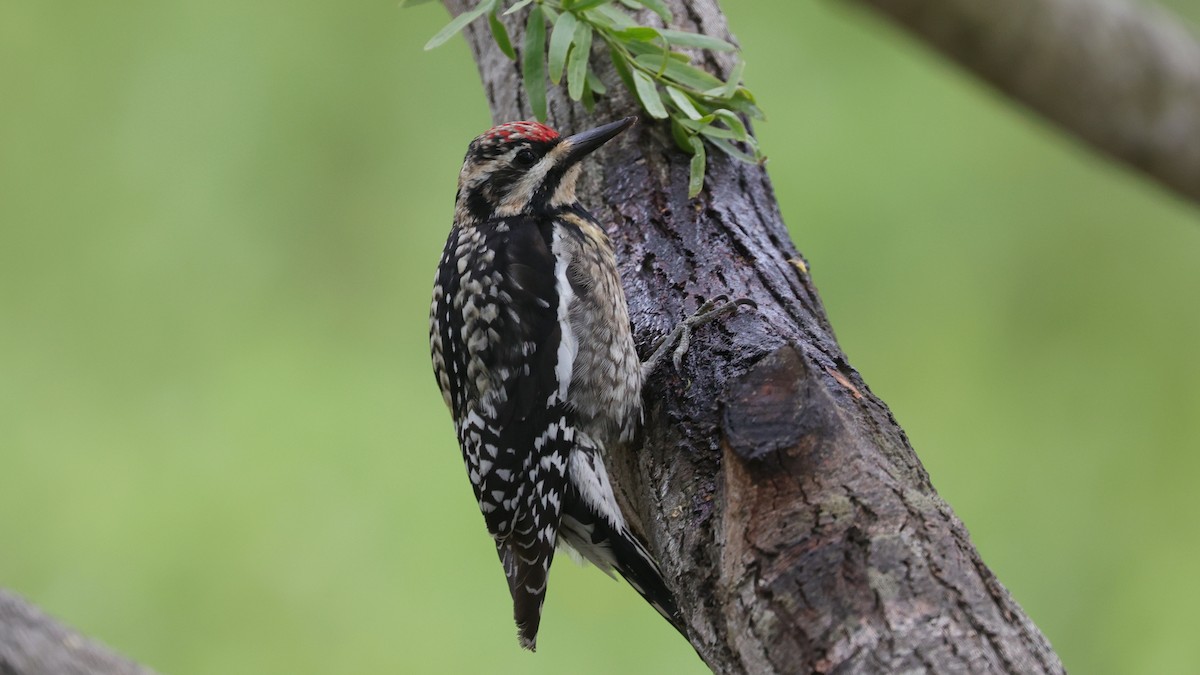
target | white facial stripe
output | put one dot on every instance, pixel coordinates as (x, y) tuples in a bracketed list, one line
[(564, 194)]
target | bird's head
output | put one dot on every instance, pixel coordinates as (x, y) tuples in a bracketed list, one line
[(525, 167)]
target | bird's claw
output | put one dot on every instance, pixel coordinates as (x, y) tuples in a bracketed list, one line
[(709, 311)]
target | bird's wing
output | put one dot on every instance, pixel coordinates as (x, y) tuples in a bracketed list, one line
[(503, 376)]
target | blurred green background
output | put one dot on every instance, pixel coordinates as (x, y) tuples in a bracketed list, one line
[(221, 447)]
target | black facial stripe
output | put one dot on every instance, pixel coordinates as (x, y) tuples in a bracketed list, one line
[(545, 192), (478, 204)]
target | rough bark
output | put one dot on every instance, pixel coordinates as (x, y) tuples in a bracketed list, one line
[(1122, 77), (32, 643), (787, 508)]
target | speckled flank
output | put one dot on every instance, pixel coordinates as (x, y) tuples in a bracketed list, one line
[(607, 377)]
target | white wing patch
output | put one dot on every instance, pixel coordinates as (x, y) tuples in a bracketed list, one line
[(590, 478), (568, 344)]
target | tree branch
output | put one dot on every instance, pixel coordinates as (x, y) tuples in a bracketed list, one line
[(791, 516), (32, 643), (1123, 78)]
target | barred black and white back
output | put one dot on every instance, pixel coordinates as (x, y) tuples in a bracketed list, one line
[(531, 347)]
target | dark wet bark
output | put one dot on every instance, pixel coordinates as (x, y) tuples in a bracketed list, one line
[(788, 510)]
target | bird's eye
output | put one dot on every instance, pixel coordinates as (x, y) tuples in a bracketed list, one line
[(525, 157)]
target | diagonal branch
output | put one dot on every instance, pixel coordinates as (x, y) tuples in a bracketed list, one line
[(794, 521), (32, 643), (1121, 77)]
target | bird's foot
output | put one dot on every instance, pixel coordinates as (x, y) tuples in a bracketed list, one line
[(682, 333)]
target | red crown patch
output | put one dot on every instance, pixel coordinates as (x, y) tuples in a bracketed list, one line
[(519, 131)]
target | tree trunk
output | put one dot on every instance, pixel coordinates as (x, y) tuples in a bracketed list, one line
[(785, 505)]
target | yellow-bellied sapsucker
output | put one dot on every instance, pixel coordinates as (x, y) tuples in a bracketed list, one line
[(532, 348)]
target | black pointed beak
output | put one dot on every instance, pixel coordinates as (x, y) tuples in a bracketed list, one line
[(583, 143)]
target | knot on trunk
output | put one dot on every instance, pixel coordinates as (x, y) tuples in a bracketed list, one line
[(777, 406)]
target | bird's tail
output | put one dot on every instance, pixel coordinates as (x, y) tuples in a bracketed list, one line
[(593, 525), (635, 564), (526, 570)]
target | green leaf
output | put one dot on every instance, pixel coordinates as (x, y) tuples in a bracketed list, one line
[(685, 39), (743, 102), (683, 102), (652, 63), (680, 73), (589, 101), (658, 8), (500, 33), (641, 33), (696, 177), (735, 77), (533, 62), (583, 5), (457, 23), (516, 7), (705, 126), (732, 150), (733, 122), (595, 83), (612, 17), (577, 62), (683, 138), (713, 131), (412, 3), (622, 67), (560, 42), (648, 93)]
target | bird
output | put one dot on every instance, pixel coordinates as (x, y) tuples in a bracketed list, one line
[(532, 349)]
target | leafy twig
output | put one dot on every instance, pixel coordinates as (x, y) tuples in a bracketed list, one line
[(700, 107)]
